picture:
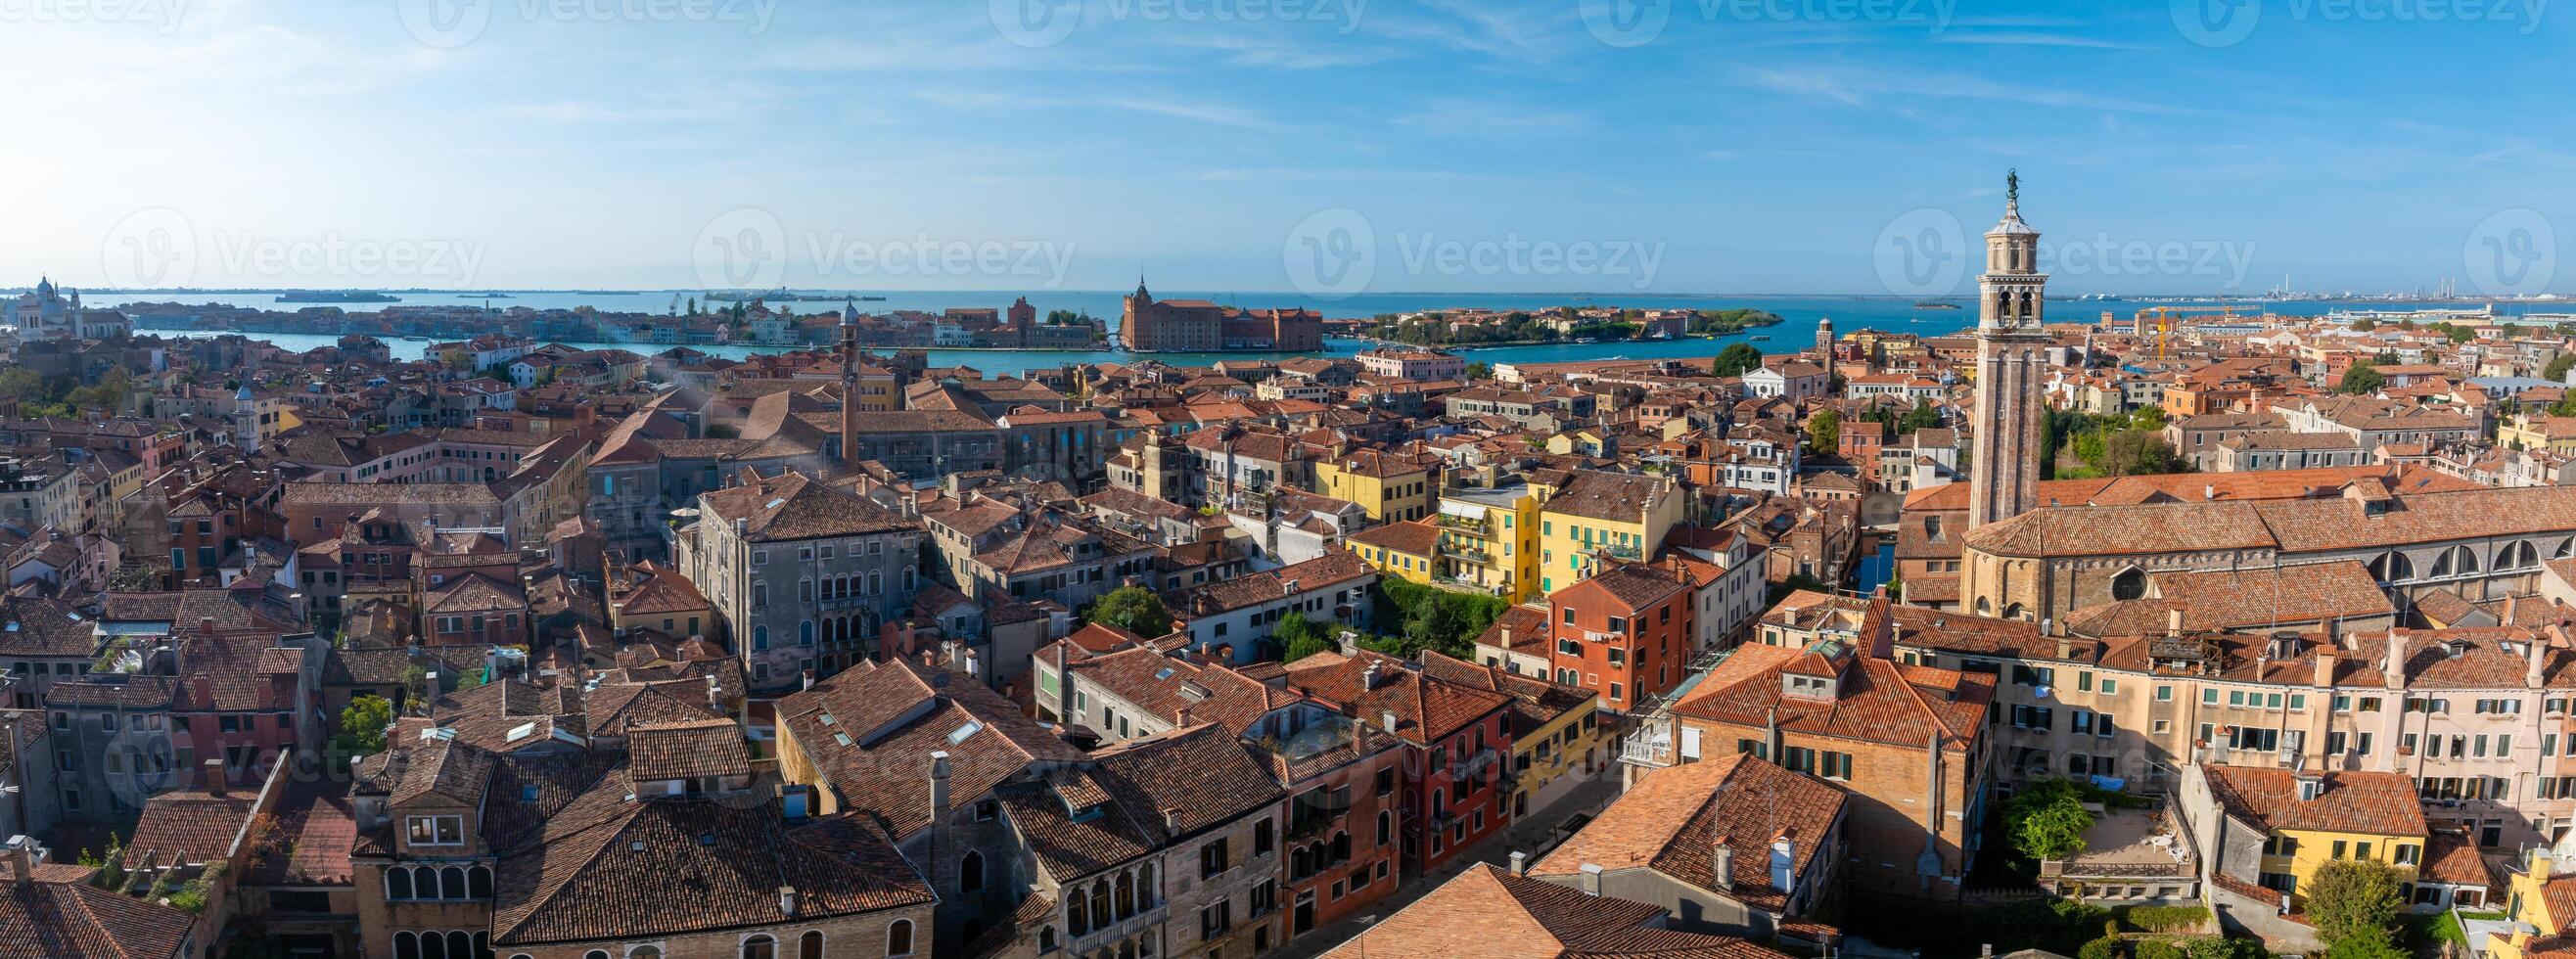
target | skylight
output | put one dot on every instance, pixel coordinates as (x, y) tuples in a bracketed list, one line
[(965, 732), (522, 731)]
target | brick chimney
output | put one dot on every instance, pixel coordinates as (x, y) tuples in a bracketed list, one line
[(22, 861), (214, 777)]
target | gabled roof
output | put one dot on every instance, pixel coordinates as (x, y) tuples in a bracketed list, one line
[(1489, 914), (1672, 821)]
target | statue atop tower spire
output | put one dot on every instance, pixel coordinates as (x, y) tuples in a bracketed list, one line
[(2012, 186)]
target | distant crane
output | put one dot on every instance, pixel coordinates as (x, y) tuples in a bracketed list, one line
[(2163, 317)]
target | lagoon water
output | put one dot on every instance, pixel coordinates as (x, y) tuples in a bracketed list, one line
[(1800, 314)]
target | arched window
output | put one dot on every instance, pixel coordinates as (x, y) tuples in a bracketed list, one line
[(1385, 826), (760, 637), (483, 945), (760, 947), (1145, 885), (1100, 915), (460, 945), (2518, 556), (1046, 939), (2392, 567), (899, 938), (1298, 867), (810, 945), (644, 952), (451, 883), (1985, 606), (398, 883), (2468, 558), (2130, 584), (1126, 895), (2566, 548), (1341, 846), (805, 633), (478, 882), (2012, 611), (970, 872), (1077, 914), (595, 954), (1127, 950), (434, 946), (406, 946)]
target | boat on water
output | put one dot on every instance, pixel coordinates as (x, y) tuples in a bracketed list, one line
[(871, 299), (1586, 340), (1758, 339)]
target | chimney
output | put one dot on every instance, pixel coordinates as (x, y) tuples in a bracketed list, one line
[(2395, 668), (1520, 863), (2173, 621), (22, 860), (787, 901), (1368, 675), (214, 777), (2325, 669), (206, 625), (1063, 685), (1721, 857), (1388, 718), (1172, 819), (1591, 879), (2533, 661), (715, 696), (1783, 853), (938, 788)]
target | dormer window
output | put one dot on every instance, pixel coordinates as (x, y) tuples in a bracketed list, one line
[(435, 830)]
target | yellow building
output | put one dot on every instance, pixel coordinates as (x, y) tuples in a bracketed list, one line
[(651, 596), (2541, 897), (2303, 821), (1590, 514), (2557, 434), (1489, 539), (878, 389), (1558, 739), (1403, 550), (1389, 486)]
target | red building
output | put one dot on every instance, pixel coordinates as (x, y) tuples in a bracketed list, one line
[(1625, 633), (1199, 326), (238, 699), (1457, 749)]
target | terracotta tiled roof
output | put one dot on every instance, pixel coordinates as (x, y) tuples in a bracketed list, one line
[(1488, 914), (189, 826), (1426, 710), (1671, 822), (59, 918), (2379, 803), (689, 749)]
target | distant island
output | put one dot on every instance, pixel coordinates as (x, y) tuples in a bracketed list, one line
[(1934, 305), (1564, 324), (335, 296)]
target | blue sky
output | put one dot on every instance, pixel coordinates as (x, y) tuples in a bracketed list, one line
[(1464, 146)]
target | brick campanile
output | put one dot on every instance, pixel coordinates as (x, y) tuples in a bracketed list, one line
[(2008, 423)]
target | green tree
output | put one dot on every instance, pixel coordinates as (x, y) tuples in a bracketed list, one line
[(1306, 646), (2148, 418), (362, 726), (2139, 453), (1736, 359), (1135, 609), (2364, 325), (1479, 370), (2354, 899), (2107, 947), (2362, 379), (1825, 431), (2556, 371), (2047, 820)]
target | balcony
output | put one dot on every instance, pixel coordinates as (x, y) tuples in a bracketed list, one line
[(1650, 746), (2125, 844), (1464, 554), (1460, 524)]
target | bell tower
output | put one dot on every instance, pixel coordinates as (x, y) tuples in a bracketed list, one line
[(2009, 426)]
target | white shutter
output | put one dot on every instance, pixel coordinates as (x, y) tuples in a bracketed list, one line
[(1690, 742)]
